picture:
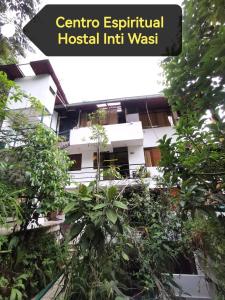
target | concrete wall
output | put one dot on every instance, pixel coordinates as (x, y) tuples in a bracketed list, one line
[(54, 120), (193, 286), (36, 86), (152, 135), (87, 172), (132, 118), (136, 157), (119, 135)]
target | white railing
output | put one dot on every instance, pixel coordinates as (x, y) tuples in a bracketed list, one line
[(129, 175)]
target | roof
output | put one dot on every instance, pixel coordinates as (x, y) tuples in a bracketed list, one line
[(156, 100), (39, 67), (44, 67)]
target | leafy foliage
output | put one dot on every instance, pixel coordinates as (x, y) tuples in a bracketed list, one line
[(195, 78), (30, 160), (9, 204), (17, 13), (96, 222), (124, 241), (33, 176), (98, 135), (38, 168), (194, 164), (28, 262)]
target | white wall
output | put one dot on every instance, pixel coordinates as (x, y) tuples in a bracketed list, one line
[(87, 172), (54, 121), (36, 86), (135, 156), (193, 286), (132, 118), (119, 135), (152, 135)]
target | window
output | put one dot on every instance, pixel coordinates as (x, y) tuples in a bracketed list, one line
[(111, 117), (104, 160), (84, 119), (118, 158), (157, 119), (52, 91), (95, 160), (152, 157), (76, 158)]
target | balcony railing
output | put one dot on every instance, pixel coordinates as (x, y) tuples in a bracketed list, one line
[(124, 171)]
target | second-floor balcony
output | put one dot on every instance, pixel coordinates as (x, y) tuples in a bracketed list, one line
[(119, 135)]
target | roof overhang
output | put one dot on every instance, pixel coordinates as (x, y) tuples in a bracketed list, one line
[(39, 67), (155, 101)]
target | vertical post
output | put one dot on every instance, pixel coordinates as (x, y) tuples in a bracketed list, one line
[(42, 115)]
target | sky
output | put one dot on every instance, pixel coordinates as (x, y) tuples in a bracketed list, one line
[(98, 78)]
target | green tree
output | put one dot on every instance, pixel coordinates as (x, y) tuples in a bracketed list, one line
[(33, 176), (16, 13), (98, 135), (31, 160), (195, 79), (195, 162)]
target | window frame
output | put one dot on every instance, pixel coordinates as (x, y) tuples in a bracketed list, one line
[(153, 163), (75, 166)]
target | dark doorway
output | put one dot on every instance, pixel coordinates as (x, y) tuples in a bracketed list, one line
[(120, 155), (118, 158)]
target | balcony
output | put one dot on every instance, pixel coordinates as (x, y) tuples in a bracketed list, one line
[(130, 174), (119, 135)]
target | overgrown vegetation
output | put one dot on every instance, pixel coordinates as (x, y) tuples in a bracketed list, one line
[(33, 176), (28, 262), (195, 162), (16, 13), (123, 244), (98, 135), (126, 242)]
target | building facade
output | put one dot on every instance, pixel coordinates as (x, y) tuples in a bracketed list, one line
[(133, 126)]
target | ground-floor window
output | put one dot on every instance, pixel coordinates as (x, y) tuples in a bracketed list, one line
[(118, 158), (77, 159)]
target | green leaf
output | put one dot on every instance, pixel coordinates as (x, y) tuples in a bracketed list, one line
[(120, 204), (95, 215), (13, 242), (99, 196), (99, 206), (23, 276), (19, 295), (76, 229), (68, 208), (111, 215), (13, 294), (86, 198), (111, 193), (125, 256), (73, 216)]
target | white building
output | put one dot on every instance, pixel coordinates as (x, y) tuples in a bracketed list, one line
[(133, 126)]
